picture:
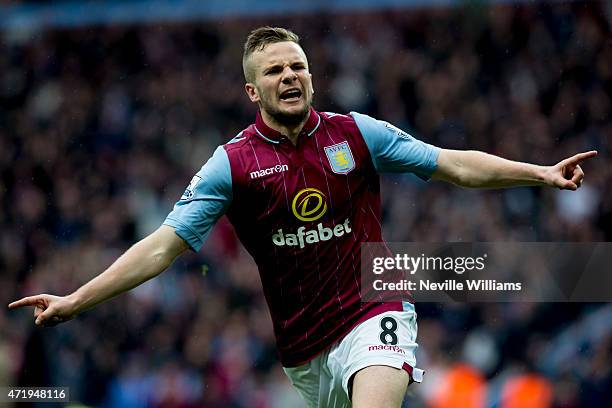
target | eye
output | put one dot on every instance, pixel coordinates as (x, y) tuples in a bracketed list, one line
[(273, 70)]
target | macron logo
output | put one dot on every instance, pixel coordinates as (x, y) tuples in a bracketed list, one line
[(279, 168), (387, 347)]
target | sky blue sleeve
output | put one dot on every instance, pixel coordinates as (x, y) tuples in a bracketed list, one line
[(204, 201), (395, 151)]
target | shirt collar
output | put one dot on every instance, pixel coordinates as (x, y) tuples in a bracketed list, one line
[(274, 136)]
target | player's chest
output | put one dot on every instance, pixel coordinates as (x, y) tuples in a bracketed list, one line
[(304, 178)]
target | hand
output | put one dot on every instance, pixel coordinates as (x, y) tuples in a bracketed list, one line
[(49, 310), (567, 174)]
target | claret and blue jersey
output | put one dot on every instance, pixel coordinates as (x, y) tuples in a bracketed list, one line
[(302, 211)]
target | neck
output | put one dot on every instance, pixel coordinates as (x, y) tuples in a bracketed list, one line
[(291, 131)]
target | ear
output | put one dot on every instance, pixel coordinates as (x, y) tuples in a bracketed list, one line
[(251, 91), (311, 86)]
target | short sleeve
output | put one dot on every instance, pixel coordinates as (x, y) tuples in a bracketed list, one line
[(395, 151), (205, 200)]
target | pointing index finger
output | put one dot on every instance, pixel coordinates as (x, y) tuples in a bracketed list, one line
[(583, 156), (26, 301)]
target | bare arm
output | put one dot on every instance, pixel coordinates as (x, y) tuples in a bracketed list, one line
[(143, 261), (476, 169)]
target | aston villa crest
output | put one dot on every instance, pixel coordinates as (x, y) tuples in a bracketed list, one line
[(340, 158)]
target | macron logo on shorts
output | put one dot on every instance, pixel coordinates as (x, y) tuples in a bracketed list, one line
[(279, 168), (396, 349)]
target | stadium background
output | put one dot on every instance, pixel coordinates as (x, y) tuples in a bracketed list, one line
[(102, 125)]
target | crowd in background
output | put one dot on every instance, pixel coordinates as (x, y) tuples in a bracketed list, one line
[(101, 129)]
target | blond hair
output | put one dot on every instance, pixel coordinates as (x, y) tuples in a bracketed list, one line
[(258, 39)]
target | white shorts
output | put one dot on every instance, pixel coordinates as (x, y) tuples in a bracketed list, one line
[(387, 339)]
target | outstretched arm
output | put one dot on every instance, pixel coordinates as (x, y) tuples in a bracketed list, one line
[(476, 169), (143, 261)]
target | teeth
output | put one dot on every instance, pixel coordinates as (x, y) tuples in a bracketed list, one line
[(291, 94)]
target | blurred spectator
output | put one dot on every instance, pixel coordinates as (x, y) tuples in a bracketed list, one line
[(527, 391), (461, 386)]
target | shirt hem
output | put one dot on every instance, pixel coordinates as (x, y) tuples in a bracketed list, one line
[(176, 224)]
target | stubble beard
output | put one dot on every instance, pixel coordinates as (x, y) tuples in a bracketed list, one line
[(285, 118)]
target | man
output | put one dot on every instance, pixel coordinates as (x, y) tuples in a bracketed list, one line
[(301, 188)]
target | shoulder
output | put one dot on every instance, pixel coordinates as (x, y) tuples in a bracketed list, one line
[(343, 124), (337, 118), (375, 128), (239, 141), (219, 166), (358, 122), (244, 146), (350, 117)]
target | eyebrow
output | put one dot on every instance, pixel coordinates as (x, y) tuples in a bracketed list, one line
[(279, 65)]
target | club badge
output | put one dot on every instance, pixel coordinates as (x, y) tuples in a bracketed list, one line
[(340, 158)]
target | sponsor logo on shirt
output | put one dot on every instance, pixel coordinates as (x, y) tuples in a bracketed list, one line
[(396, 349), (279, 168), (302, 237), (340, 158), (309, 205)]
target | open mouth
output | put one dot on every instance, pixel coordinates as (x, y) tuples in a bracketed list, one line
[(291, 95)]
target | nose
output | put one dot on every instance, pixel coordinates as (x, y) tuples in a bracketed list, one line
[(289, 75)]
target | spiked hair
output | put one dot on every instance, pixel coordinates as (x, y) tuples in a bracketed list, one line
[(257, 41)]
